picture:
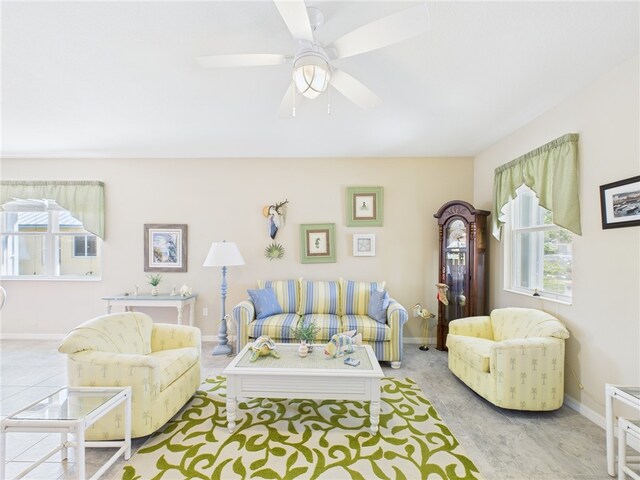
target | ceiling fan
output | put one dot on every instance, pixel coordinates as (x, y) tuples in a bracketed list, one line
[(313, 71)]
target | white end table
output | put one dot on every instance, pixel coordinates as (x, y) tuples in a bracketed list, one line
[(625, 394), (70, 410)]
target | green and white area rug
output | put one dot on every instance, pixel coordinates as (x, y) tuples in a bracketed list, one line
[(303, 439)]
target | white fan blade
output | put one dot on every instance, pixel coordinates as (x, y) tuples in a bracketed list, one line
[(241, 60), (388, 30), (294, 13), (354, 90), (286, 106)]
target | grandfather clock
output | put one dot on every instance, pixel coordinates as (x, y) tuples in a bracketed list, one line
[(463, 269)]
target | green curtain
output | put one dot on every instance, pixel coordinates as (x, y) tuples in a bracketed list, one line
[(551, 171), (84, 199)]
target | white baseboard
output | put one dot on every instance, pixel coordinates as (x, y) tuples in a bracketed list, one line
[(32, 336), (431, 341)]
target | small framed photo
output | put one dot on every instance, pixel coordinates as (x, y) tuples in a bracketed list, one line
[(317, 243), (365, 206), (620, 203), (364, 245), (165, 247)]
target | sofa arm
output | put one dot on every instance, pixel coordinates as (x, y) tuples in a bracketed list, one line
[(92, 368), (397, 315), (529, 372), (479, 327), (243, 314), (166, 336)]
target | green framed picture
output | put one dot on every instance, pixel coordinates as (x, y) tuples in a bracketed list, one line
[(365, 206), (318, 243)]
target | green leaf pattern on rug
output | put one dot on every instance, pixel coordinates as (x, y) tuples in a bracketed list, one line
[(303, 439)]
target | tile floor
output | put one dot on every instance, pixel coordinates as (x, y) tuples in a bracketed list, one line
[(557, 445)]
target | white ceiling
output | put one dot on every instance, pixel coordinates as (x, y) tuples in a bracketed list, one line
[(119, 79)]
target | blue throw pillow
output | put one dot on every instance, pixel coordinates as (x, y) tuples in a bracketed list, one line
[(265, 302), (378, 304)]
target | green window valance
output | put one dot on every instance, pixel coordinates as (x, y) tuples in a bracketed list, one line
[(551, 171), (84, 199)]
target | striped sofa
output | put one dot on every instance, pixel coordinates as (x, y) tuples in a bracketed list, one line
[(335, 306)]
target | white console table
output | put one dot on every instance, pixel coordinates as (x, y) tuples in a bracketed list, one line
[(175, 301)]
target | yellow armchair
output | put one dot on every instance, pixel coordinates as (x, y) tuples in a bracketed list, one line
[(161, 363), (514, 357)]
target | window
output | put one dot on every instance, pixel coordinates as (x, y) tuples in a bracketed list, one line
[(41, 240), (540, 253)]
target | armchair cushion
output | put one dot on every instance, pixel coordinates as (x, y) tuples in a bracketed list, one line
[(265, 302), (476, 352), (287, 293)]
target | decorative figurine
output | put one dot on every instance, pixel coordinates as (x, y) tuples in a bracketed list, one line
[(276, 216), (263, 347), (342, 343), (173, 291), (135, 290), (442, 293), (185, 290)]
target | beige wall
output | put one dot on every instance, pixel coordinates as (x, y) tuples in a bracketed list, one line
[(604, 318), (223, 199)]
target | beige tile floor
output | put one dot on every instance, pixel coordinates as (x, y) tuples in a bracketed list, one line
[(557, 445)]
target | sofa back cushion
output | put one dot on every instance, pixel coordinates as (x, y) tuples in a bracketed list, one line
[(319, 297), (355, 296), (287, 293), (126, 332), (508, 323)]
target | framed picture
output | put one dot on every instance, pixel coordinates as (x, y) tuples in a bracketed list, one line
[(317, 243), (364, 245), (165, 247), (620, 203), (364, 206)]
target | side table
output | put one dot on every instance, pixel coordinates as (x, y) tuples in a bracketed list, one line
[(70, 410), (629, 395), (175, 301)]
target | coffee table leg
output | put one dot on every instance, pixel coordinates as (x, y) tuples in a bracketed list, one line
[(63, 442), (375, 415), (231, 413), (80, 466)]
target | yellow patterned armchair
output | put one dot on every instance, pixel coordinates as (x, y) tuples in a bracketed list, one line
[(514, 357), (161, 363)]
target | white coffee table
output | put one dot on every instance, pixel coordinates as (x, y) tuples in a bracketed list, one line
[(312, 377), (70, 410)]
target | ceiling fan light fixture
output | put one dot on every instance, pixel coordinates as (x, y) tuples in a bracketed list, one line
[(311, 73)]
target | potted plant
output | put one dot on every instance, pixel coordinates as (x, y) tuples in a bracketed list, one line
[(305, 332), (154, 281)]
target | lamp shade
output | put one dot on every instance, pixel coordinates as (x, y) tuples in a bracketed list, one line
[(223, 254), (311, 73)]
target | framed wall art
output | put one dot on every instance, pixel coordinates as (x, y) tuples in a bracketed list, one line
[(165, 247), (317, 243), (365, 206), (364, 245), (620, 203)]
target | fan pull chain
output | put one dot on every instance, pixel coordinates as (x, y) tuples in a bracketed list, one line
[(329, 102), (293, 102)]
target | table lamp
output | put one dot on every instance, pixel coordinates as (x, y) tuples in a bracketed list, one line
[(223, 254)]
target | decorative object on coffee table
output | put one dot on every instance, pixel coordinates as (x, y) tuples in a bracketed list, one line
[(223, 254), (305, 332)]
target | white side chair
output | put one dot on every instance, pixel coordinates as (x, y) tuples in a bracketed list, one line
[(626, 428)]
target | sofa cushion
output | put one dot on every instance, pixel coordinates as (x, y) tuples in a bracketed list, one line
[(355, 296), (278, 327), (265, 302), (474, 351), (319, 297), (371, 330), (287, 293), (378, 305), (328, 323), (173, 363)]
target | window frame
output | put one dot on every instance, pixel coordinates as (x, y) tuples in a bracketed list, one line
[(511, 261), (52, 245)]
